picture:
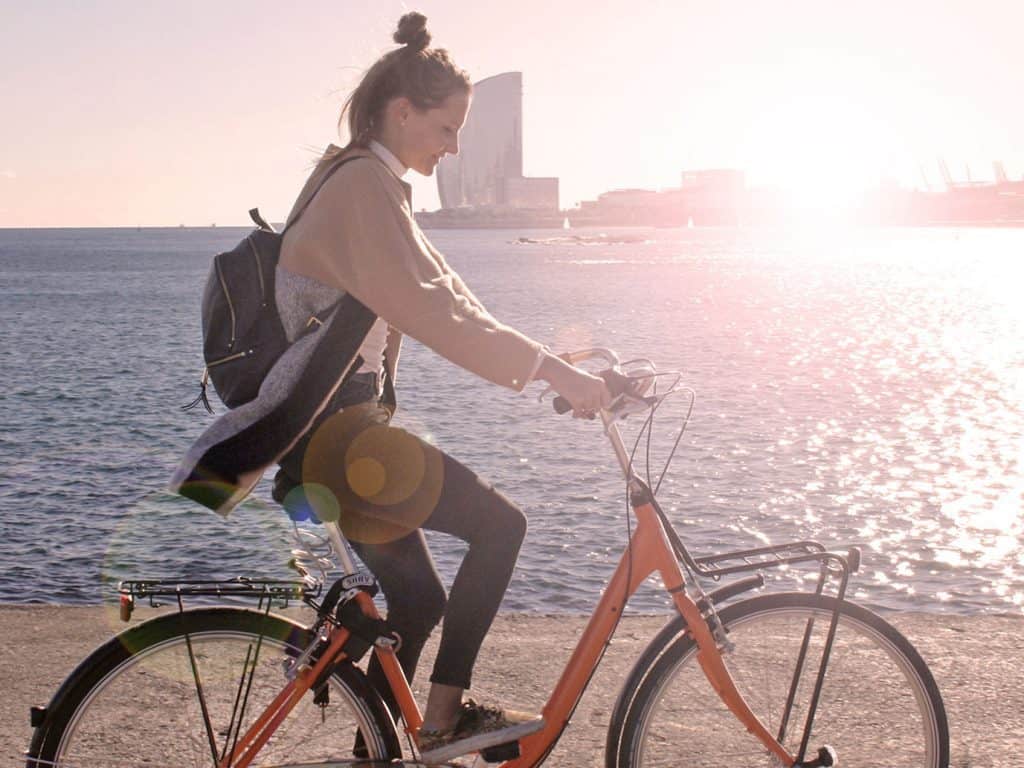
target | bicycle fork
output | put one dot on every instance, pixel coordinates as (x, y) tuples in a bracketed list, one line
[(709, 656), (655, 549)]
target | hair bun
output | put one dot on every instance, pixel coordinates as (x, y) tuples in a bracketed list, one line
[(412, 31)]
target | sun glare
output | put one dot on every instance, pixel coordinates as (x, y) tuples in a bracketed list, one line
[(821, 140)]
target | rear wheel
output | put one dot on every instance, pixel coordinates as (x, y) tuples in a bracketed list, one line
[(879, 704), (135, 701)]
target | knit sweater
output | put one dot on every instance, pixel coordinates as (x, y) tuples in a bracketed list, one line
[(358, 235)]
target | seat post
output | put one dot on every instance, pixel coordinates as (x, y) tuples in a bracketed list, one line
[(340, 545)]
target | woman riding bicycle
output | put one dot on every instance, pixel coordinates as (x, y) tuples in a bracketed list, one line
[(356, 238)]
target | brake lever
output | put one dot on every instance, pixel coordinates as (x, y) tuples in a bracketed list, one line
[(625, 405), (632, 387)]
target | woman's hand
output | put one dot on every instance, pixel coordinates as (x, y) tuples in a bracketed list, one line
[(585, 392)]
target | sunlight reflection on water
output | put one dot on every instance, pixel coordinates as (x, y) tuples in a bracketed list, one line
[(939, 338), (862, 388)]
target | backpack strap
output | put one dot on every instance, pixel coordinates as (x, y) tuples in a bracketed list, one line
[(316, 191), (254, 214), (317, 320)]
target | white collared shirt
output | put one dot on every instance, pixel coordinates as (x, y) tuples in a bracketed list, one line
[(388, 158)]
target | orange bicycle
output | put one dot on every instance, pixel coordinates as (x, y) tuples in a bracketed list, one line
[(778, 679)]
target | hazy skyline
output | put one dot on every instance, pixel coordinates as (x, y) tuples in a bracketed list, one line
[(121, 114)]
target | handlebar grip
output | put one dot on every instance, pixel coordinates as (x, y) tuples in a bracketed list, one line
[(616, 382)]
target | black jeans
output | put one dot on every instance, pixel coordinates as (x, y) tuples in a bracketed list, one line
[(386, 485)]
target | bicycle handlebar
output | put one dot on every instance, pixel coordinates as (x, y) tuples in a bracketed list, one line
[(617, 383), (582, 355), (629, 392)]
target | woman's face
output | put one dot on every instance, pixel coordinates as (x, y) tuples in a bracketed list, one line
[(423, 137)]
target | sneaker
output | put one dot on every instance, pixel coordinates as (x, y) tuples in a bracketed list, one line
[(478, 727)]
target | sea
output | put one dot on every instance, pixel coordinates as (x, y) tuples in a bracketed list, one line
[(862, 388)]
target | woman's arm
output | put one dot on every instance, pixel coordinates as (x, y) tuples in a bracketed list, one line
[(359, 236), (460, 286), (585, 392)]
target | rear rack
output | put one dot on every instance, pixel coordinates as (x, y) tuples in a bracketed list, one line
[(774, 556), (263, 590)]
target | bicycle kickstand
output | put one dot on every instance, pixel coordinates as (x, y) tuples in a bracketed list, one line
[(826, 757)]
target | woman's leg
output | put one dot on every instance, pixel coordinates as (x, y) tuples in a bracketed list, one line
[(386, 484), (415, 598), (494, 528)]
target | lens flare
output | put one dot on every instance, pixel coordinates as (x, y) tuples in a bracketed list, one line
[(384, 481)]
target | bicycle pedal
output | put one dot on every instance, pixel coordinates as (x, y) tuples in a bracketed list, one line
[(499, 753)]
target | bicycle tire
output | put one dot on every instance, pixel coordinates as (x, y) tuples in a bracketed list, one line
[(879, 703), (134, 700)]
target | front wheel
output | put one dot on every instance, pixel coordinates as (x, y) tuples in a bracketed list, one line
[(879, 704), (136, 701)]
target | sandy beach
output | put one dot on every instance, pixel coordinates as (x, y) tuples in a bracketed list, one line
[(978, 663)]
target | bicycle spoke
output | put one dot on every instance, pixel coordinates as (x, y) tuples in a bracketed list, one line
[(231, 729), (199, 693), (246, 678), (234, 659), (878, 704)]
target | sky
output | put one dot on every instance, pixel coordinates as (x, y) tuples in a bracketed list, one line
[(118, 113)]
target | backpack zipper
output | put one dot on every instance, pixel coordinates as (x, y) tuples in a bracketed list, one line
[(259, 270), (229, 358), (231, 307)]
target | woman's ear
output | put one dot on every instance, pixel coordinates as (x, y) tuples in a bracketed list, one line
[(398, 110)]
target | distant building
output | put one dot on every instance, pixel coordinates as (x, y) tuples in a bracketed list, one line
[(724, 182), (488, 171), (714, 196), (533, 193), (705, 197), (628, 197)]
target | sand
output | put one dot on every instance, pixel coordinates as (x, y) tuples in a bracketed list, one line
[(978, 663)]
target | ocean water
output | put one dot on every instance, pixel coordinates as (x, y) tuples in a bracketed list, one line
[(860, 388)]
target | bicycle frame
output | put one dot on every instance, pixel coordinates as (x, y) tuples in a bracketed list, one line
[(654, 547), (649, 551)]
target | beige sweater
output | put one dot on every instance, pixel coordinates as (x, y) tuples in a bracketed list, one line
[(359, 236)]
